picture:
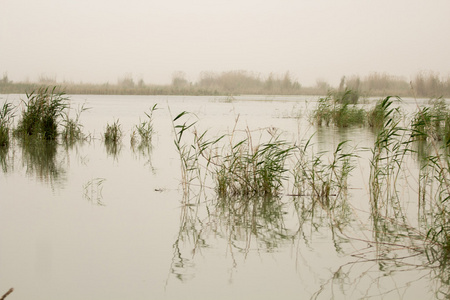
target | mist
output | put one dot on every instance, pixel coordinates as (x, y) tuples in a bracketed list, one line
[(101, 41)]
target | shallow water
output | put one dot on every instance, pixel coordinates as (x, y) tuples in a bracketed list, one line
[(91, 224)]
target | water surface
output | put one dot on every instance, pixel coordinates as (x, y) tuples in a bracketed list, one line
[(83, 222)]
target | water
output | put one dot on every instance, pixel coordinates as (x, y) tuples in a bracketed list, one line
[(89, 224)]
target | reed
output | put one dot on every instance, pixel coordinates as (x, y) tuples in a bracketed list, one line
[(188, 155), (238, 168), (324, 182), (245, 170), (72, 128), (377, 116), (332, 112), (42, 112), (6, 116), (112, 138), (145, 128), (113, 133), (431, 122)]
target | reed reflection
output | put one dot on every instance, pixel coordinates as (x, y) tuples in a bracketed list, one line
[(243, 224), (40, 158)]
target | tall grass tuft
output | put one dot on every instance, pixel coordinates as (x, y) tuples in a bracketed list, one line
[(247, 170), (325, 182), (188, 156), (432, 122), (42, 112), (112, 138), (72, 128), (145, 128), (377, 116), (6, 117), (332, 112), (113, 132)]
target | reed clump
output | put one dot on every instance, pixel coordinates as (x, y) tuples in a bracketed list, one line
[(112, 138), (331, 111), (144, 130), (324, 182), (245, 170), (432, 122), (72, 128), (113, 133), (6, 117), (43, 110), (238, 168), (377, 116)]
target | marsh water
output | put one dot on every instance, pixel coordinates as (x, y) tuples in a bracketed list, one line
[(87, 222)]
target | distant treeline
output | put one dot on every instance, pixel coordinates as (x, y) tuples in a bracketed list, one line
[(425, 84)]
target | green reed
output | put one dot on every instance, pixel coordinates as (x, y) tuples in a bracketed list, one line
[(113, 133), (243, 169), (6, 116), (72, 128), (113, 137), (238, 168), (324, 181), (145, 128), (376, 117), (42, 112), (188, 155), (331, 112), (432, 122)]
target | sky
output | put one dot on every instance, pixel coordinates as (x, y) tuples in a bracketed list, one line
[(102, 41)]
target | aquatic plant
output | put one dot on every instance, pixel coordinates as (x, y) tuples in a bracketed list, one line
[(324, 182), (345, 116), (341, 115), (6, 117), (323, 112), (145, 128), (188, 157), (242, 169), (72, 128), (112, 138), (43, 109), (434, 199), (431, 122), (376, 117), (239, 168), (113, 133)]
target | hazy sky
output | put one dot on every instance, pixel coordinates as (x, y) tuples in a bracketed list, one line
[(103, 40)]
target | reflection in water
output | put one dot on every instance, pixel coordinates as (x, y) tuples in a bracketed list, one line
[(376, 249), (236, 221), (113, 148), (144, 150), (189, 240), (5, 160), (93, 191), (240, 220), (40, 159)]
